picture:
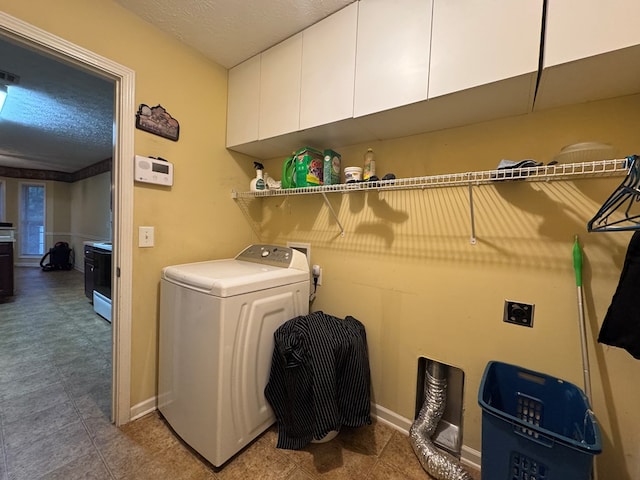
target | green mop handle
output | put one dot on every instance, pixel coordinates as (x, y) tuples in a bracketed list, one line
[(577, 262), (577, 266)]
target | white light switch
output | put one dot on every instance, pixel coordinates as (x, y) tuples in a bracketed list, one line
[(145, 236)]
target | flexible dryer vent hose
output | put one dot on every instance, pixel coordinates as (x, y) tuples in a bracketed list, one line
[(435, 462)]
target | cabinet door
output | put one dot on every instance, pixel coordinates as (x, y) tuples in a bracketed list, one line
[(392, 57), (88, 271), (579, 29), (243, 102), (477, 42), (280, 88), (328, 69), (88, 278), (591, 52), (6, 269)]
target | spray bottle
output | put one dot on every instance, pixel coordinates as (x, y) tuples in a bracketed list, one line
[(258, 182)]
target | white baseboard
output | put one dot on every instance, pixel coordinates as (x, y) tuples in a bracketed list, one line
[(26, 264), (143, 408), (391, 419), (469, 456)]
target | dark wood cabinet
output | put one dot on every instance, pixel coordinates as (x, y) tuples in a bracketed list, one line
[(88, 271), (6, 269)]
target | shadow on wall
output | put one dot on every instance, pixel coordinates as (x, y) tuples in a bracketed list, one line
[(386, 216), (282, 215), (563, 209), (380, 215), (521, 224)]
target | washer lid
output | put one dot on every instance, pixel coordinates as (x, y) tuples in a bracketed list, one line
[(230, 277)]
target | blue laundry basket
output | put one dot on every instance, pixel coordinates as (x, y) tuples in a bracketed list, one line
[(534, 426)]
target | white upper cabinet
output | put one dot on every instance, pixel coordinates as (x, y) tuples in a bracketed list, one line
[(478, 42), (392, 60), (328, 69), (280, 88), (591, 51), (578, 29), (243, 102)]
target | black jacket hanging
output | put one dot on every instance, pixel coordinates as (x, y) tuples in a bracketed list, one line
[(621, 326), (320, 378)]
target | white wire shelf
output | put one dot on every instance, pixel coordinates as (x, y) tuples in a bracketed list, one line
[(544, 173)]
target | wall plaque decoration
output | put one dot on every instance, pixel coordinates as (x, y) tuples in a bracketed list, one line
[(158, 121)]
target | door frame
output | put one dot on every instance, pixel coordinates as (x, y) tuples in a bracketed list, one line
[(122, 171)]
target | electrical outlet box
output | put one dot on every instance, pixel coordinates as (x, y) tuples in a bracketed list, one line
[(518, 313)]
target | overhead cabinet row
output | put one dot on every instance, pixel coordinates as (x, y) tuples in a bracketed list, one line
[(304, 81), (380, 69)]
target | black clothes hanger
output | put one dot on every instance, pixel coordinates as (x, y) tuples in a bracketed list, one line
[(623, 201)]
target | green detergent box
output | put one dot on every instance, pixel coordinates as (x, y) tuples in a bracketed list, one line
[(331, 168), (309, 167)]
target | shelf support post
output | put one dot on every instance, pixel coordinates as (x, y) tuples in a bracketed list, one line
[(473, 223), (333, 212)]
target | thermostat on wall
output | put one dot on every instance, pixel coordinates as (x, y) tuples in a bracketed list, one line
[(153, 170)]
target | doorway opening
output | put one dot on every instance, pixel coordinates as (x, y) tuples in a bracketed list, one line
[(123, 154)]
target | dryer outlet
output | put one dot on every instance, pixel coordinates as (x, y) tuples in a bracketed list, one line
[(518, 313)]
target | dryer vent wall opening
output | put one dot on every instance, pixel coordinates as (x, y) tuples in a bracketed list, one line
[(448, 434), (427, 428)]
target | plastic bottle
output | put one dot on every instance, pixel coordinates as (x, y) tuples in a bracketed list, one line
[(369, 165), (289, 172), (258, 182)]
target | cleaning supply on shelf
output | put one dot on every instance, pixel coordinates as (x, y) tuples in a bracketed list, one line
[(352, 174), (288, 179), (369, 165), (271, 183), (331, 168), (257, 183), (309, 166)]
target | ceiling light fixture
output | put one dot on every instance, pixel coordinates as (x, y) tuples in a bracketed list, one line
[(3, 95)]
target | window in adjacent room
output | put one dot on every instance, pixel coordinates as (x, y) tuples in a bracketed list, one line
[(32, 217), (3, 206)]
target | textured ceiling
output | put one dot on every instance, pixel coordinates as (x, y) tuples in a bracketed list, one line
[(59, 117), (230, 31), (56, 117)]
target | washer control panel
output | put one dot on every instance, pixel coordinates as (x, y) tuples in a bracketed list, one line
[(267, 254), (275, 256)]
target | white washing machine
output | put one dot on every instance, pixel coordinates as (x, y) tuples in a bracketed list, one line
[(217, 320)]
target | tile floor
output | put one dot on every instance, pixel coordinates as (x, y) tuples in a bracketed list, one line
[(55, 397)]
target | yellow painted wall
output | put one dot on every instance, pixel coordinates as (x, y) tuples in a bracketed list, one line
[(90, 213), (58, 207), (196, 219), (407, 269), (405, 265)]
